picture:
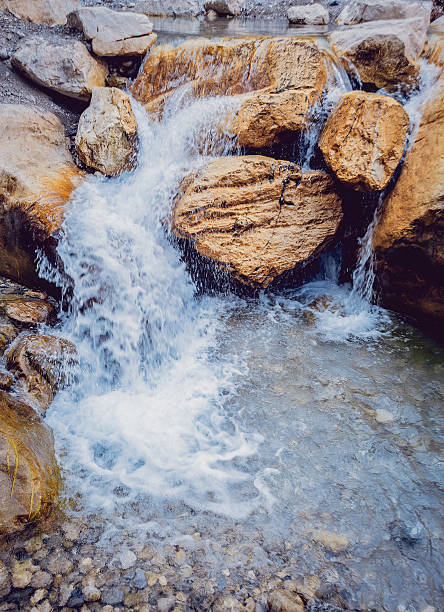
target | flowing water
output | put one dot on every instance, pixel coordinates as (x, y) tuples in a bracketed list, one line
[(255, 423)]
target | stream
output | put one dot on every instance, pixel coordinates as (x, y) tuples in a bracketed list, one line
[(243, 429)]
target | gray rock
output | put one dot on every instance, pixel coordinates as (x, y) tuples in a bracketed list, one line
[(139, 580), (113, 596), (175, 8), (66, 66), (359, 11), (309, 14), (114, 33), (41, 580), (50, 12), (224, 7)]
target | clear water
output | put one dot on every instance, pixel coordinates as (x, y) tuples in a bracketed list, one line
[(264, 419)]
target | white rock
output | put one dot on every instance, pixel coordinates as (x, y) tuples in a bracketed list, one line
[(66, 66), (384, 416), (114, 33), (309, 14), (359, 11), (127, 558), (224, 7), (51, 12)]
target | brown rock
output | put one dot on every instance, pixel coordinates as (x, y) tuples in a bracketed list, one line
[(37, 177), (23, 310), (283, 601), (7, 334), (6, 380), (333, 542), (409, 237), (278, 81), (51, 12), (40, 363), (29, 475), (364, 139), (66, 66), (114, 33), (257, 217), (382, 53), (107, 134)]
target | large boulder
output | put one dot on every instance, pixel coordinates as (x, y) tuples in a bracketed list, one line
[(277, 81), (65, 66), (114, 33), (224, 7), (37, 177), (360, 11), (29, 476), (257, 217), (309, 14), (364, 139), (173, 8), (409, 237), (41, 364), (382, 53), (50, 12), (107, 134)]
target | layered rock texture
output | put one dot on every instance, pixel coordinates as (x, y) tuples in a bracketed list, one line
[(409, 237), (364, 139), (29, 476), (277, 80), (382, 53), (107, 134), (114, 33), (37, 177), (66, 67), (51, 12), (257, 217)]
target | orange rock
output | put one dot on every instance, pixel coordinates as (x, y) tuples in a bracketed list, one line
[(257, 217), (277, 80), (364, 139), (409, 237)]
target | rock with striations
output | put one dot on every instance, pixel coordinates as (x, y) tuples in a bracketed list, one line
[(37, 177), (276, 80), (361, 11), (107, 133), (257, 217), (224, 7), (309, 14), (50, 12), (114, 33), (382, 53), (364, 139), (409, 236), (65, 66), (41, 364), (29, 476)]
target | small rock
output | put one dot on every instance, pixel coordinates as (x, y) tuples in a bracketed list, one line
[(91, 593), (230, 8), (6, 380), (283, 601), (21, 575), (59, 564), (113, 596), (34, 544), (5, 580), (309, 14), (384, 416), (4, 54), (331, 541), (127, 559), (163, 581), (212, 15), (165, 604), (140, 580), (38, 596), (41, 580)]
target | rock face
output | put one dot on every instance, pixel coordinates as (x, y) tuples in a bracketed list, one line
[(39, 362), (37, 177), (364, 139), (224, 7), (382, 53), (360, 11), (277, 80), (311, 14), (114, 33), (51, 12), (107, 134), (29, 476), (65, 67), (409, 237), (257, 217)]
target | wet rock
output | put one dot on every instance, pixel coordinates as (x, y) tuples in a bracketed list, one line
[(359, 11), (51, 12), (25, 311), (364, 139), (310, 14), (37, 177), (66, 66), (277, 80), (40, 364), (29, 475), (257, 217), (224, 7), (107, 133), (6, 380), (409, 236), (382, 53), (283, 601), (7, 333), (114, 33), (333, 542)]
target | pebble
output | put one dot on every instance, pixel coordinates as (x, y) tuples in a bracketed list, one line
[(21, 575), (165, 604), (91, 593), (384, 416), (41, 580), (113, 596), (163, 581), (283, 601), (140, 580), (38, 596), (333, 542), (127, 558)]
